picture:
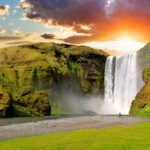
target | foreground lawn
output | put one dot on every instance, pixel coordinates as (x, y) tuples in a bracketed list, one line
[(118, 138)]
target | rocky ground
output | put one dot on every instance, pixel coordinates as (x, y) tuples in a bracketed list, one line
[(37, 126)]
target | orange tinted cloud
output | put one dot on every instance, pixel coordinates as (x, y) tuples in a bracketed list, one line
[(106, 20)]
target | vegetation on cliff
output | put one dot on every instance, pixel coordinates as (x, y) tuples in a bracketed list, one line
[(28, 69), (144, 56), (141, 104), (5, 103)]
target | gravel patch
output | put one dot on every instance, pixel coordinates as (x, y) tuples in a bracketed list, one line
[(60, 124)]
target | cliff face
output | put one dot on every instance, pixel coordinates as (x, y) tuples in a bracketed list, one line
[(141, 104), (144, 56), (26, 70)]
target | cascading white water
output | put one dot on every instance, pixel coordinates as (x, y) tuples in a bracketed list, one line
[(120, 84)]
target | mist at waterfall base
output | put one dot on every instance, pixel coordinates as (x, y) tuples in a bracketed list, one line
[(68, 94), (123, 80)]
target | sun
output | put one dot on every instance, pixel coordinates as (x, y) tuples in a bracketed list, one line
[(126, 39), (128, 44), (120, 46)]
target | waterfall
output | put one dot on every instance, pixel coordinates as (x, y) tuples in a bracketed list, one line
[(120, 83)]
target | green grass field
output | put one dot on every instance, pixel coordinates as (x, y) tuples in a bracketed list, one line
[(130, 137)]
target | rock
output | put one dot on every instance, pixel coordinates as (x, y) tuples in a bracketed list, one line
[(90, 113), (28, 102), (41, 103), (5, 103)]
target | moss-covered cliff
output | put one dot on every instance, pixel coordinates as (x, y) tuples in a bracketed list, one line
[(28, 69), (141, 104), (144, 56)]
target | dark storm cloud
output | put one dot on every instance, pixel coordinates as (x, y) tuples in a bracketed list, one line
[(103, 17), (48, 36)]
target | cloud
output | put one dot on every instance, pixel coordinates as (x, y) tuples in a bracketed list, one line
[(2, 31), (2, 18), (18, 43), (4, 10), (9, 38), (14, 12), (18, 37), (23, 34), (103, 19), (11, 24), (15, 35), (48, 36)]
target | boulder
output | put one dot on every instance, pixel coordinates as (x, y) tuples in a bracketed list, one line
[(5, 103), (28, 102)]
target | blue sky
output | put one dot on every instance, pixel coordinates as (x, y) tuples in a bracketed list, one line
[(15, 19)]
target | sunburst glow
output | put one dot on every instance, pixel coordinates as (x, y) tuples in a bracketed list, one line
[(126, 39), (129, 44), (122, 45)]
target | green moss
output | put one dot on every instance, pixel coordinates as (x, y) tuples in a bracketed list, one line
[(146, 74), (57, 108), (28, 102), (85, 86), (21, 111), (5, 102), (57, 111), (144, 55), (143, 112), (81, 50), (75, 68), (141, 104)]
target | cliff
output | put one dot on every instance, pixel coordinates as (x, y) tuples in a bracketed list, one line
[(30, 74), (141, 104)]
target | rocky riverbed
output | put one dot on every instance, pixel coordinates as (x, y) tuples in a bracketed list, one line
[(25, 127)]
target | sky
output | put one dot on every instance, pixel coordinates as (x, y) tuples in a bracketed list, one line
[(121, 25)]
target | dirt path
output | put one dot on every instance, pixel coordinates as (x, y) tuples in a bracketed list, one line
[(57, 124)]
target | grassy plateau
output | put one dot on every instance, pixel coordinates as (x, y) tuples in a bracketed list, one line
[(129, 137)]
